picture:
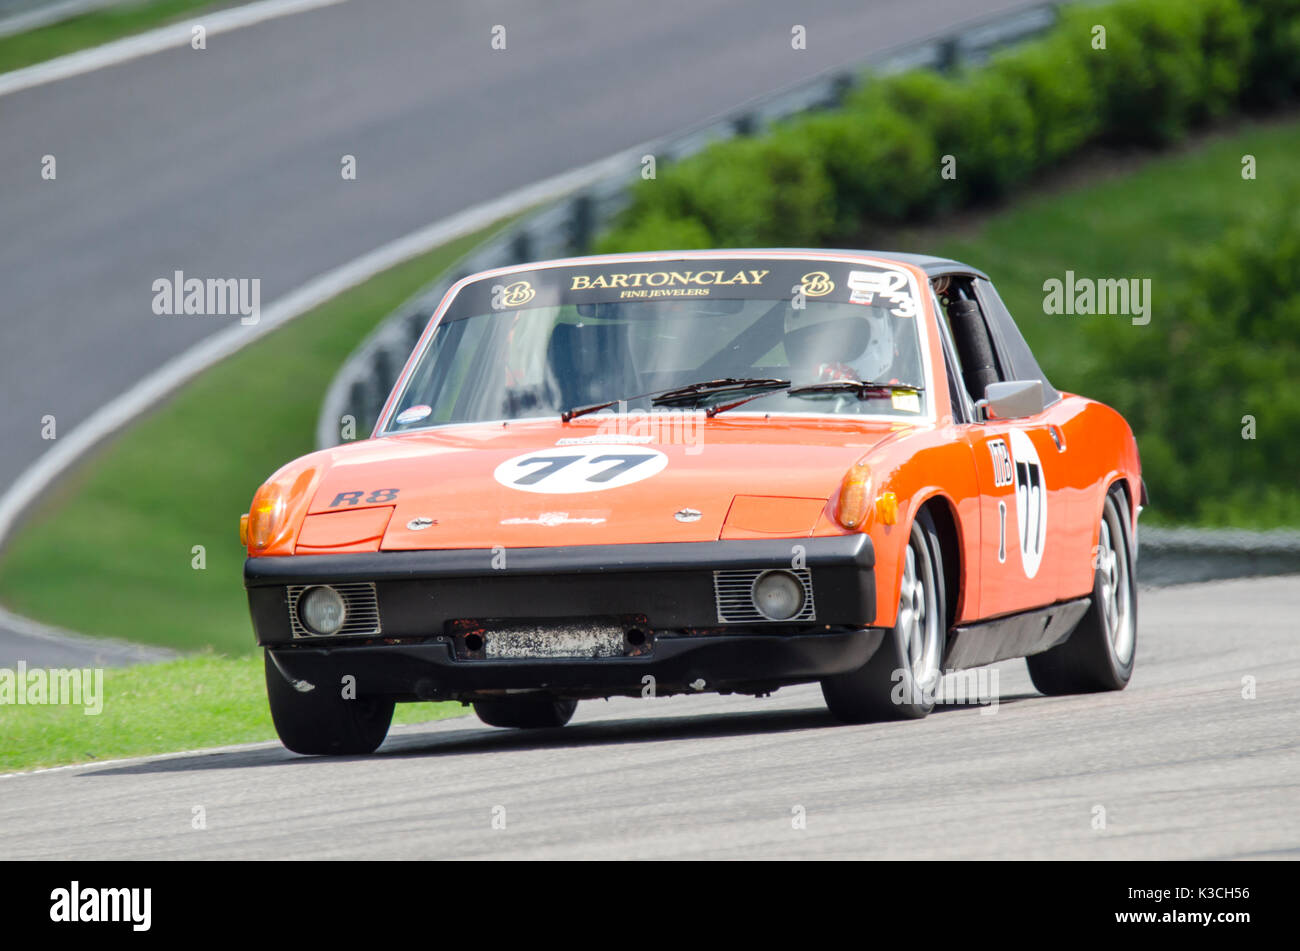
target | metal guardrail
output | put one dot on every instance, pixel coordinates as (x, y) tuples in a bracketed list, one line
[(567, 227), (1185, 555)]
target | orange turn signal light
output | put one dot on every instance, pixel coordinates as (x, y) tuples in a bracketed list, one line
[(243, 529), (887, 508)]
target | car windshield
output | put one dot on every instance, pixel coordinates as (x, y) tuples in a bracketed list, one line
[(548, 341)]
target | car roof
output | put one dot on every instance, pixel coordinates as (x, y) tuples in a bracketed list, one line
[(930, 264)]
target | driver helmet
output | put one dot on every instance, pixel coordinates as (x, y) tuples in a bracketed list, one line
[(839, 342)]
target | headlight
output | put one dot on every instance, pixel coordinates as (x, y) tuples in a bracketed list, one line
[(778, 595), (322, 610), (851, 510)]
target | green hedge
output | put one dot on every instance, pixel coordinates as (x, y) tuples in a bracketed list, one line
[(1167, 67), (1229, 349), (1273, 74)]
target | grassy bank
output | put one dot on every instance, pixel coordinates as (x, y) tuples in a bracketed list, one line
[(200, 701)]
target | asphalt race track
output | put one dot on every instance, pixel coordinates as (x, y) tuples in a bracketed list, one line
[(1181, 763), (225, 162)]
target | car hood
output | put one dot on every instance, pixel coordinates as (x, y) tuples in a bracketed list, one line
[(541, 483)]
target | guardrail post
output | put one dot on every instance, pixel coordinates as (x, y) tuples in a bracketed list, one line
[(949, 55), (580, 223), (415, 325), (841, 83), (521, 246), (745, 124)]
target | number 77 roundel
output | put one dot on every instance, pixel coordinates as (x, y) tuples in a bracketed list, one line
[(573, 469)]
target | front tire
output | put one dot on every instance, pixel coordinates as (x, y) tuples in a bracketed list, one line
[(526, 712), (1099, 654), (900, 679), (320, 721)]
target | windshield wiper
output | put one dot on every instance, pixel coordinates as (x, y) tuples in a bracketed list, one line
[(681, 394), (863, 388), (577, 411), (694, 391)]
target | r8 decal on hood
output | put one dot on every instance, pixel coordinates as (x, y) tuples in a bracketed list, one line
[(568, 470)]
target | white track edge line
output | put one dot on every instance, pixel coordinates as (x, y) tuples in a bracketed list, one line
[(153, 41)]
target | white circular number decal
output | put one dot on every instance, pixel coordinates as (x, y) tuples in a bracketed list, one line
[(1031, 501), (568, 469)]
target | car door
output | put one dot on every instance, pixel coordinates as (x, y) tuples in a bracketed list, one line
[(1023, 467), (1008, 574), (1018, 469)]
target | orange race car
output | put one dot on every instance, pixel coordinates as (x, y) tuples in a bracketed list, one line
[(720, 471)]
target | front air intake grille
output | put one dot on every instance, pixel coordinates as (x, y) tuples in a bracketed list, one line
[(360, 603), (733, 589)]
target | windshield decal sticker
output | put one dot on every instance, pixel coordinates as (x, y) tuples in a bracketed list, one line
[(565, 471), (512, 295), (633, 279), (816, 284), (413, 414), (906, 401)]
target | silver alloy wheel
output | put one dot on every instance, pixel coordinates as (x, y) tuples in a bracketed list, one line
[(1116, 589), (918, 614)]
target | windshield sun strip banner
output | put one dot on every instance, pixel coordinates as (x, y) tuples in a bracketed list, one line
[(733, 279)]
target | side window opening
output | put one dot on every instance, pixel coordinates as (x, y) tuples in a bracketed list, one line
[(1010, 344), (962, 408)]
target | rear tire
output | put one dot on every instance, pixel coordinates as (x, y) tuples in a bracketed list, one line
[(526, 712), (1099, 654), (900, 679), (320, 721)]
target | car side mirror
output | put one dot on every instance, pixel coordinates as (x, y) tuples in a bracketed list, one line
[(1013, 399)]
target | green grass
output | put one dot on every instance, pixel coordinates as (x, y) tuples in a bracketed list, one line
[(204, 700), (1140, 222), (110, 551), (92, 29)]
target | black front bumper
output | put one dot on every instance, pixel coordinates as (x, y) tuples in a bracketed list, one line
[(742, 663), (425, 597)]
